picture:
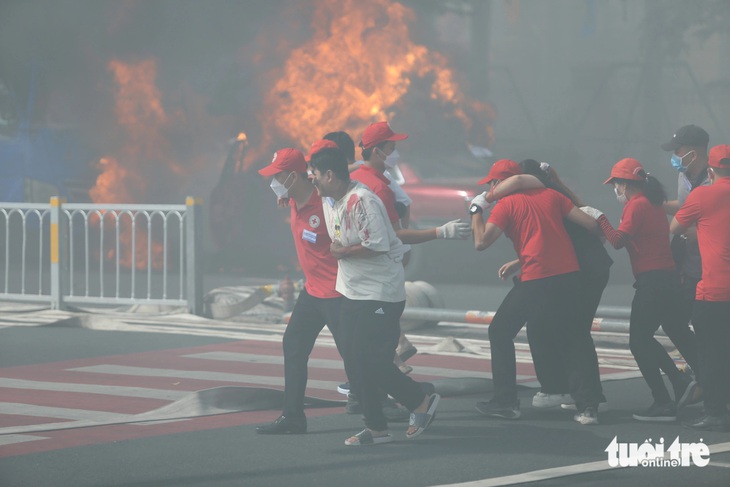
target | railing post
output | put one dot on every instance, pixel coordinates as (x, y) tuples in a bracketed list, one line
[(193, 266), (58, 243)]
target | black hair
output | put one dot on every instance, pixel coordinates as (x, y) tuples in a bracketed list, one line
[(344, 142), (532, 167), (550, 179), (650, 186), (722, 172), (331, 159), (366, 153)]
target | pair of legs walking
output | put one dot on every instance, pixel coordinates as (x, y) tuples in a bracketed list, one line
[(561, 355), (370, 334), (309, 316), (657, 302)]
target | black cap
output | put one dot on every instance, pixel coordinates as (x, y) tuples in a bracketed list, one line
[(690, 136)]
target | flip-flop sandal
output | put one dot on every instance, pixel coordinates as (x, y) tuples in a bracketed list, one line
[(423, 420), (366, 438)]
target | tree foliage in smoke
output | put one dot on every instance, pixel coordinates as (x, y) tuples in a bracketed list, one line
[(674, 23)]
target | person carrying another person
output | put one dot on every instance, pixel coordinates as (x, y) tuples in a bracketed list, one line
[(318, 303), (370, 276), (595, 264), (708, 208), (543, 297), (644, 231)]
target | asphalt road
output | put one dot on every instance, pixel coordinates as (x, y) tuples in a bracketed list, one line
[(223, 450)]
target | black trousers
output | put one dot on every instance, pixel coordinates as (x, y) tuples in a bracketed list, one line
[(308, 317), (658, 302), (577, 348), (688, 287), (370, 333), (546, 305), (711, 321)]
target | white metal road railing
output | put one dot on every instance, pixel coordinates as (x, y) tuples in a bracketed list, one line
[(101, 254)]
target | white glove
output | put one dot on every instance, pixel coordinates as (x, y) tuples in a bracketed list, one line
[(590, 211), (454, 230), (481, 201)]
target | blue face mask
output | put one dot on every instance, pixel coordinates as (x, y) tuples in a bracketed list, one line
[(677, 162)]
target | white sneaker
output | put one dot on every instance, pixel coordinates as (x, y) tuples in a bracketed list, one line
[(542, 400), (602, 407)]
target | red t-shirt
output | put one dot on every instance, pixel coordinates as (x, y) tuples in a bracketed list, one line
[(312, 243), (709, 208), (648, 228), (378, 184), (533, 220)]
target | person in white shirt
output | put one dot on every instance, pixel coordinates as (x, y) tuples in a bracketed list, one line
[(371, 279)]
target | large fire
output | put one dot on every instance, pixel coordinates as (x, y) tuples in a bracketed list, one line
[(358, 65)]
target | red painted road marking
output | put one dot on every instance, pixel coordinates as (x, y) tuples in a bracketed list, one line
[(21, 389)]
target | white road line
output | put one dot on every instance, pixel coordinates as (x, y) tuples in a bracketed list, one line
[(11, 439), (200, 375), (329, 364), (558, 472), (52, 412), (92, 389)]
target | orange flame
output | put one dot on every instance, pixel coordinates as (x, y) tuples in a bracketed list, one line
[(358, 65), (141, 115)]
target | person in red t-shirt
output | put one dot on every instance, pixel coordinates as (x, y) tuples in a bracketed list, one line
[(644, 231), (318, 303), (533, 220), (709, 208), (584, 384)]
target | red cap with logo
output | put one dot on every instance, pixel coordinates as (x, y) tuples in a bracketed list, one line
[(285, 160), (377, 133), (502, 169), (628, 168), (720, 156), (318, 145)]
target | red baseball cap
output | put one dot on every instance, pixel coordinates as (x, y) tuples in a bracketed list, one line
[(720, 156), (627, 168), (379, 132), (318, 145), (502, 169), (285, 160)]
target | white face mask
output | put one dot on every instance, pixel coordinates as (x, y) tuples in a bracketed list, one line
[(392, 159), (280, 189), (620, 197)]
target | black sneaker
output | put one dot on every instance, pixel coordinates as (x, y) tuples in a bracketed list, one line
[(344, 388), (284, 426), (709, 423), (497, 410), (657, 412)]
